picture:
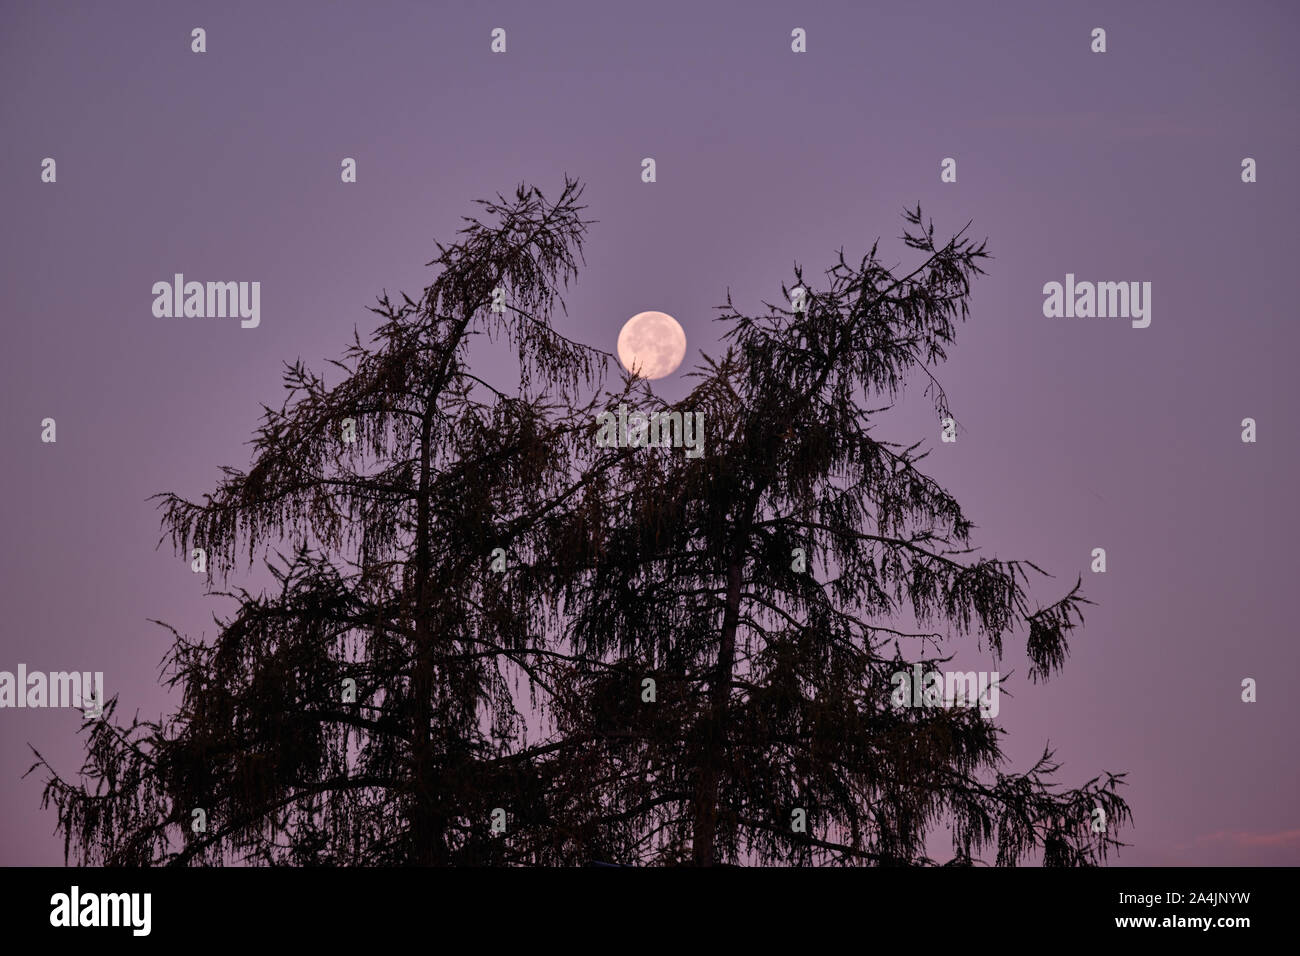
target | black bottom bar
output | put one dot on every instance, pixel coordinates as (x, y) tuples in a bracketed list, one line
[(670, 908)]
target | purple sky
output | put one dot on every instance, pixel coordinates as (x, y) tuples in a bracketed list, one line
[(1079, 433)]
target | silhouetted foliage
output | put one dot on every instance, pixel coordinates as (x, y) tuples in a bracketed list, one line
[(624, 563)]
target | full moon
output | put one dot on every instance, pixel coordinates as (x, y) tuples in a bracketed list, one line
[(651, 345)]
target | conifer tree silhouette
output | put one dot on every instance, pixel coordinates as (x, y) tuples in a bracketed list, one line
[(388, 584), (498, 586), (773, 684)]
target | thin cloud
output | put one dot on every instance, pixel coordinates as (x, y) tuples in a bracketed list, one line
[(1243, 839)]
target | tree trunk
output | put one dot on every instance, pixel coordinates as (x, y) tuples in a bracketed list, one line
[(706, 797), (428, 823), (426, 839)]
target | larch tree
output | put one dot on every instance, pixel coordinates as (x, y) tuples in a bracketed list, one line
[(368, 710), (747, 608)]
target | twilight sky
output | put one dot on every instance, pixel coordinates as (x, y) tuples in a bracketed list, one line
[(1077, 433)]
